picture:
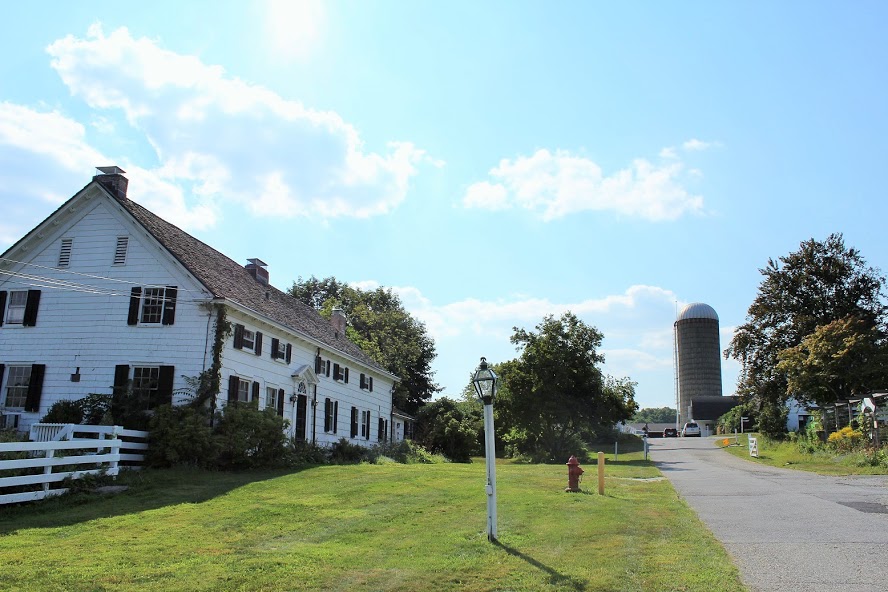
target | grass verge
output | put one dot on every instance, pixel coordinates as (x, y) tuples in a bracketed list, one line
[(368, 527), (775, 453)]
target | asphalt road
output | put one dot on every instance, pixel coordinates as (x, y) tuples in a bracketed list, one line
[(785, 530)]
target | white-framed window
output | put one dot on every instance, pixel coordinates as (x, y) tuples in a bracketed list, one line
[(281, 350), (18, 381), (145, 386), (271, 397), (152, 305), (365, 424), (15, 310), (248, 340), (243, 390)]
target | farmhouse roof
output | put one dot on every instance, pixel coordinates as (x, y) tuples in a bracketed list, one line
[(226, 279)]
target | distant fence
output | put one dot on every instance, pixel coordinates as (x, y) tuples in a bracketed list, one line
[(63, 451)]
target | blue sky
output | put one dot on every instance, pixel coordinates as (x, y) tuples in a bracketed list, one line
[(493, 162)]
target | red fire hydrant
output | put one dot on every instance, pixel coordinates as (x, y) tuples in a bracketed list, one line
[(573, 474)]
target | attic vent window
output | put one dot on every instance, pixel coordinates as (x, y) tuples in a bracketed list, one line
[(65, 252), (120, 251)]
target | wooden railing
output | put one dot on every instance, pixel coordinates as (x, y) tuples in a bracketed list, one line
[(101, 452)]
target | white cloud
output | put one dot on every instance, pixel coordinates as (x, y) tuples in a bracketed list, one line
[(695, 145), (218, 136), (34, 142), (559, 183)]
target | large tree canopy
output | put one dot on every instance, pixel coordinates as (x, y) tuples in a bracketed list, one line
[(379, 324), (554, 397), (655, 415), (821, 283)]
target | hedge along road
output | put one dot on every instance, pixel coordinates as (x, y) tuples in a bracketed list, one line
[(786, 530)]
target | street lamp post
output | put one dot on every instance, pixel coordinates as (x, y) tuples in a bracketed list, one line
[(485, 386)]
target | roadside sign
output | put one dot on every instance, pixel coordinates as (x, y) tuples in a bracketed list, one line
[(753, 447)]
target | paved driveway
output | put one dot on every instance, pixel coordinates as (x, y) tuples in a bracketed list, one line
[(786, 530)]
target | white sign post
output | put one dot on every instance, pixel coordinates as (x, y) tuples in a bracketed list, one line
[(753, 447)]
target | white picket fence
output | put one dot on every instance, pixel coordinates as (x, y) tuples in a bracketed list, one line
[(101, 451)]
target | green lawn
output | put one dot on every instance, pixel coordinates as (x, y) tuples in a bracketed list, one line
[(367, 527), (787, 454)]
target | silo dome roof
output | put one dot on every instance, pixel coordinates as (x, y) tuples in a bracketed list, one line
[(697, 310)]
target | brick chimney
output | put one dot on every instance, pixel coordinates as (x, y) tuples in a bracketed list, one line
[(112, 179), (338, 320), (256, 267)]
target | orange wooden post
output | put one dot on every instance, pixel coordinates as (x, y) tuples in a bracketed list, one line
[(600, 473)]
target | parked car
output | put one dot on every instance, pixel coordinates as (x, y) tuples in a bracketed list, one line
[(670, 433), (690, 429)]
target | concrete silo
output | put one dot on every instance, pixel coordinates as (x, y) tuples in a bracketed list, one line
[(697, 356)]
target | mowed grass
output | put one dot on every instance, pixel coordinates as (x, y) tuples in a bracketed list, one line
[(368, 527), (787, 455)]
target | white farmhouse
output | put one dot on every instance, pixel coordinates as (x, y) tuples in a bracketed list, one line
[(105, 293)]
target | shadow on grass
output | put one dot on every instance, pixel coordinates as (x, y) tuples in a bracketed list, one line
[(555, 576), (148, 490)]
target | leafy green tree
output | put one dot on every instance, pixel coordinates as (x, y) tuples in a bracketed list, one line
[(820, 283), (836, 361), (554, 396), (452, 428), (379, 324), (655, 415)]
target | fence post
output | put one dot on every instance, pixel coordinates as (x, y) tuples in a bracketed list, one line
[(616, 450), (47, 470)]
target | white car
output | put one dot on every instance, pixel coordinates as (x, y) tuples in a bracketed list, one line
[(690, 429)]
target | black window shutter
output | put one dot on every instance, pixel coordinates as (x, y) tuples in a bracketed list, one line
[(289, 353), (233, 384), (169, 305), (336, 372), (346, 375), (281, 395), (318, 361), (371, 384), (275, 345), (2, 369), (335, 415), (354, 426), (380, 429), (327, 415), (135, 298), (327, 364), (369, 419), (255, 391), (258, 348), (363, 381), (31, 306), (238, 337), (165, 385), (301, 415), (35, 387), (2, 307), (121, 376)]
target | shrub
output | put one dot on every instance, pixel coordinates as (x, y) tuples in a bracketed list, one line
[(846, 439), (302, 452), (344, 452), (96, 409), (249, 438), (181, 436), (64, 412)]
